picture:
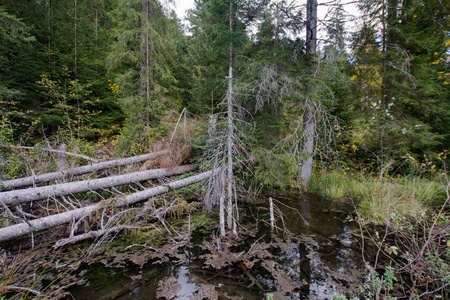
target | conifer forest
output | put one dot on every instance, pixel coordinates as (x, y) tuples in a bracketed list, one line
[(250, 149)]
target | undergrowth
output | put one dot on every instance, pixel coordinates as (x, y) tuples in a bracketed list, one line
[(380, 199)]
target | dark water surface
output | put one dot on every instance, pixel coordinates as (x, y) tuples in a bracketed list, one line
[(326, 260)]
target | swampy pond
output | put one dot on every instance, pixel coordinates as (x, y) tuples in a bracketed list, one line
[(315, 253)]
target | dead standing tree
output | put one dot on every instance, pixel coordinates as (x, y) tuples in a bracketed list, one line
[(309, 122), (230, 221), (223, 148)]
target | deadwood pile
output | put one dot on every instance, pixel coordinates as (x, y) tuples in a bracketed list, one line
[(63, 196)]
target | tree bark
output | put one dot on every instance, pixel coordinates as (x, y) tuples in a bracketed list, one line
[(32, 180), (308, 132), (230, 127), (18, 197), (308, 115), (311, 26), (18, 230)]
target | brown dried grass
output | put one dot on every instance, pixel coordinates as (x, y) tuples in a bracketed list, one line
[(177, 154)]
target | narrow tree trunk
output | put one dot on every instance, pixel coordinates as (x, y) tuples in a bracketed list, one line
[(59, 151), (311, 26), (62, 158), (230, 127), (75, 37), (33, 194), (18, 230), (222, 206), (389, 38), (144, 43), (32, 180), (145, 78), (272, 217), (308, 114), (48, 4), (308, 132)]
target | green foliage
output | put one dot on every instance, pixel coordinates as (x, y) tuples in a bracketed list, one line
[(380, 285), (401, 102), (143, 65), (380, 200), (208, 49), (53, 68), (274, 170)]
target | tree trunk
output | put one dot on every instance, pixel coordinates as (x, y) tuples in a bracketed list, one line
[(62, 158), (308, 114), (311, 26), (308, 132), (32, 180), (59, 151), (222, 205), (145, 78), (230, 128), (18, 230), (33, 194)]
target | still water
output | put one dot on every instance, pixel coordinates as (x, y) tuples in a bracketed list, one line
[(323, 258)]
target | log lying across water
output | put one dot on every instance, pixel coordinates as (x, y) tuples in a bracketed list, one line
[(17, 197), (41, 224), (31, 180)]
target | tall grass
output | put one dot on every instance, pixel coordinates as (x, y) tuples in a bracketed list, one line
[(380, 199)]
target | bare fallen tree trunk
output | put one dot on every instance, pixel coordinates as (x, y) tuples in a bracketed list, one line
[(41, 224), (31, 180), (33, 194)]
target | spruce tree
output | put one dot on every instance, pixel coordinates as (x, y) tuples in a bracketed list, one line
[(401, 94), (142, 64)]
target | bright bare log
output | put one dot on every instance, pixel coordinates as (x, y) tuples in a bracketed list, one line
[(31, 180), (33, 194), (41, 224)]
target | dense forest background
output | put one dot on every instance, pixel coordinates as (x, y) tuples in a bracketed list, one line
[(270, 95), (122, 71)]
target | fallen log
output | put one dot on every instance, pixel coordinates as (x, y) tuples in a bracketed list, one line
[(17, 197), (31, 180), (18, 230)]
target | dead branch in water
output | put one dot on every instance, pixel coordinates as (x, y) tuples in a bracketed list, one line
[(89, 235)]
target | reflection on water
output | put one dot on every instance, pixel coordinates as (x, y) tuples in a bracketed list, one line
[(329, 260), (326, 260), (187, 288)]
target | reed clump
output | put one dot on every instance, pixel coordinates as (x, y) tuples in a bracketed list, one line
[(380, 199)]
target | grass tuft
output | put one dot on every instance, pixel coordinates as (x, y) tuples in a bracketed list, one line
[(380, 199)]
